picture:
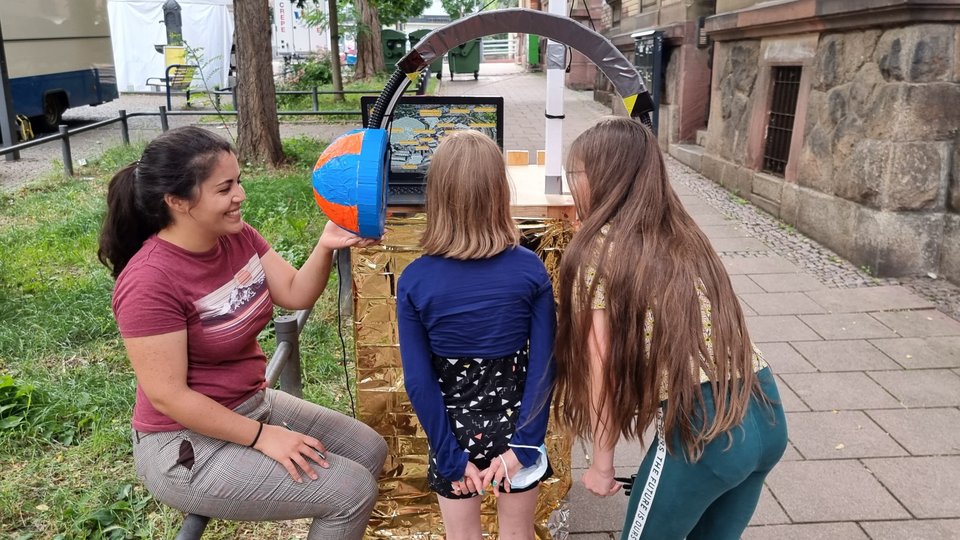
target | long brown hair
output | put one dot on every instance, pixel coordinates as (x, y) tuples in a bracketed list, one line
[(468, 199), (649, 261)]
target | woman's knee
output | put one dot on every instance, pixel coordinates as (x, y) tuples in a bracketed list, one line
[(380, 453), (362, 496), (376, 451)]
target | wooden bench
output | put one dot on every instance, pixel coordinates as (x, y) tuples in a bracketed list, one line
[(177, 77)]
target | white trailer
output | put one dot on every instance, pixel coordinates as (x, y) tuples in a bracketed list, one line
[(58, 56)]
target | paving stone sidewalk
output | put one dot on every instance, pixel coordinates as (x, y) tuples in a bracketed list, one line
[(869, 374)]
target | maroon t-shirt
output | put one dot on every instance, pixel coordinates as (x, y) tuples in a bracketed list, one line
[(220, 297)]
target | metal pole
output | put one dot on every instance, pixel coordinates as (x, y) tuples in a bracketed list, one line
[(164, 124), (8, 129), (316, 100), (124, 127), (342, 260), (553, 143), (173, 20), (65, 145), (193, 527), (288, 332), (169, 82)]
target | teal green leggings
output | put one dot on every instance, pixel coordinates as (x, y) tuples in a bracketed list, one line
[(715, 497)]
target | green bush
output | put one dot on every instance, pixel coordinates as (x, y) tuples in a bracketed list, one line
[(313, 72)]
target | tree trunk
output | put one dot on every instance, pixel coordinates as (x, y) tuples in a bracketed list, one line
[(369, 47), (334, 28), (257, 123)]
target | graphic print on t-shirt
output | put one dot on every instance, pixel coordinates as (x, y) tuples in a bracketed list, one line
[(226, 311)]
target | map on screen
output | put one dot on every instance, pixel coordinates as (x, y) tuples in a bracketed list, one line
[(417, 129), (420, 122)]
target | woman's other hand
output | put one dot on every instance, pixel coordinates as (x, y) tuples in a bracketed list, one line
[(336, 237), (292, 450), (600, 482)]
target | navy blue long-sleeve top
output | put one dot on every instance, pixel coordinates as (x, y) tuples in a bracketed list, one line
[(481, 308)]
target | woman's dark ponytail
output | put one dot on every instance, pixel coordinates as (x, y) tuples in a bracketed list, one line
[(125, 227), (174, 163)]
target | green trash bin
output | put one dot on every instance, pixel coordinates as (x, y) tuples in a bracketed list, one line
[(436, 67), (394, 47), (465, 58), (533, 50)]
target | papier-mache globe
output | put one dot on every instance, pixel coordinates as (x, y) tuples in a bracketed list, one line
[(350, 181)]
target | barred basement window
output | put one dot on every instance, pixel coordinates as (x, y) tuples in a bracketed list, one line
[(783, 109)]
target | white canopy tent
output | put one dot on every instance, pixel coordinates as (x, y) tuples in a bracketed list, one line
[(137, 25)]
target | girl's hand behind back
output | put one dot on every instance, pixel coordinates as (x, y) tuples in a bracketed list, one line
[(496, 472), (470, 483)]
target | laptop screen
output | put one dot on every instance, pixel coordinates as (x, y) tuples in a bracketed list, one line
[(416, 127)]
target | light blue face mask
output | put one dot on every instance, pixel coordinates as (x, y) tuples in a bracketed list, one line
[(527, 475)]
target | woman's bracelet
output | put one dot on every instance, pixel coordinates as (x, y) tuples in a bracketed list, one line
[(257, 438)]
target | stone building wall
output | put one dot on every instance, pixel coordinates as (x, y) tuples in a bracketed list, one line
[(735, 66), (874, 168), (883, 122)]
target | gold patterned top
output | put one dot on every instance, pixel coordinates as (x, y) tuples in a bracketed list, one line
[(599, 301)]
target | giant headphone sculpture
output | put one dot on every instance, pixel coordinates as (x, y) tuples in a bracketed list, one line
[(350, 178)]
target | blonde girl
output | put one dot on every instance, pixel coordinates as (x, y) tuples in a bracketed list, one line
[(476, 319)]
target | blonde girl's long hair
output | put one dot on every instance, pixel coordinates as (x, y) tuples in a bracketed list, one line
[(468, 199), (650, 260)]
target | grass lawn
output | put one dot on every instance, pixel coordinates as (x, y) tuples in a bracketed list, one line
[(66, 387)]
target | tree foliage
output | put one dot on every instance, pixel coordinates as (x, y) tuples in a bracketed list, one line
[(461, 8), (329, 20), (393, 12), (458, 8), (364, 19)]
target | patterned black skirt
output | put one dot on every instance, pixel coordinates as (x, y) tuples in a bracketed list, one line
[(482, 397)]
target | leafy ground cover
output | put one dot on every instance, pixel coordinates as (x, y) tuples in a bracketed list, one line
[(66, 388)]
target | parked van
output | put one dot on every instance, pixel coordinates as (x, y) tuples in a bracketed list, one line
[(58, 56)]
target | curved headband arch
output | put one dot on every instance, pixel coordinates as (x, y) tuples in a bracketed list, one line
[(598, 49)]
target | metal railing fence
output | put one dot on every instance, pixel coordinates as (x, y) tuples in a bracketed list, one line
[(498, 48), (163, 113)]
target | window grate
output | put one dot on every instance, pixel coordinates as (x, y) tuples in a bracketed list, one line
[(783, 109)]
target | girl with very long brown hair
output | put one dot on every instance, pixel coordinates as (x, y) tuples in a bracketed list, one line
[(650, 331)]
